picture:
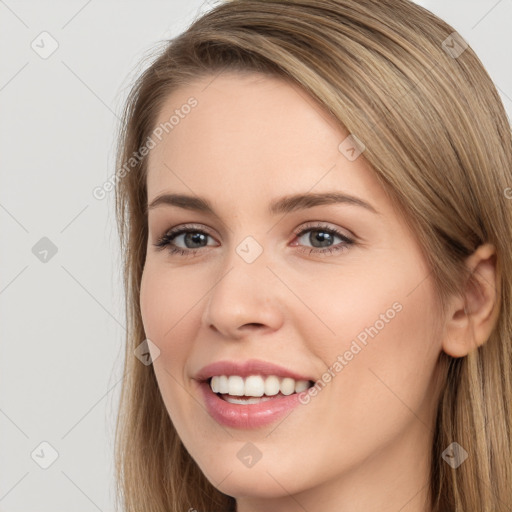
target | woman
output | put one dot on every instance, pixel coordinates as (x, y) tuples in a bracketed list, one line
[(313, 209)]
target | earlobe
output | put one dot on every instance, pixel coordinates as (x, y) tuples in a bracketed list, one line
[(472, 317)]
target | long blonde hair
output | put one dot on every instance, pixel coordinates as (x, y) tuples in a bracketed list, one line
[(439, 141)]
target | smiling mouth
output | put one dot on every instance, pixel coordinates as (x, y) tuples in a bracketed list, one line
[(255, 389)]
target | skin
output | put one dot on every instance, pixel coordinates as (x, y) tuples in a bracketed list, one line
[(363, 443)]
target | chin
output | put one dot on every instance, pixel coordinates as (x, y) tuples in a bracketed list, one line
[(268, 477), (256, 484)]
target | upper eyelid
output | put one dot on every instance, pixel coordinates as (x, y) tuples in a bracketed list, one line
[(180, 228), (305, 226)]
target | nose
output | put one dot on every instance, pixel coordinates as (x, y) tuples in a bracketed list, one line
[(245, 298)]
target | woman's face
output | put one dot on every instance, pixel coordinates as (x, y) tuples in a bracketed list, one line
[(332, 292)]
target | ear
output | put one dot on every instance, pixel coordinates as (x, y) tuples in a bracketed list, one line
[(472, 317)]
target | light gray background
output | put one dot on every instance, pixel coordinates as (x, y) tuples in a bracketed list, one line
[(62, 321)]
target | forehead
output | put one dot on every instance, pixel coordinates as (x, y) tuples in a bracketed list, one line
[(237, 90), (250, 132)]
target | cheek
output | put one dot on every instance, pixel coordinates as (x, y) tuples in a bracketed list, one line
[(169, 307), (167, 298), (370, 303), (385, 350)]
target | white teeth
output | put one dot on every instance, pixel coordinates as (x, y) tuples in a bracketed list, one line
[(256, 386), (214, 384), (223, 384), (301, 385), (271, 385), (287, 386), (236, 385), (246, 401)]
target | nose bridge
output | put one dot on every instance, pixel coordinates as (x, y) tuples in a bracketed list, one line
[(246, 263), (244, 292)]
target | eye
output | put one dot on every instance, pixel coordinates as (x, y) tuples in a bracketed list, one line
[(320, 236), (191, 235)]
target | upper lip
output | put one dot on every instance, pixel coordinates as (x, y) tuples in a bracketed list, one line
[(246, 368)]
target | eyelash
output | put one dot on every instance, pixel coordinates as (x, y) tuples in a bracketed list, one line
[(170, 235)]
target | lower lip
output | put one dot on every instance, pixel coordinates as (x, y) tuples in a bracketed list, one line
[(247, 416)]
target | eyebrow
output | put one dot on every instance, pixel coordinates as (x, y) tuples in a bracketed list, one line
[(283, 205)]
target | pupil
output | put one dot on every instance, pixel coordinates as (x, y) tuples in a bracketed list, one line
[(322, 236), (194, 237)]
